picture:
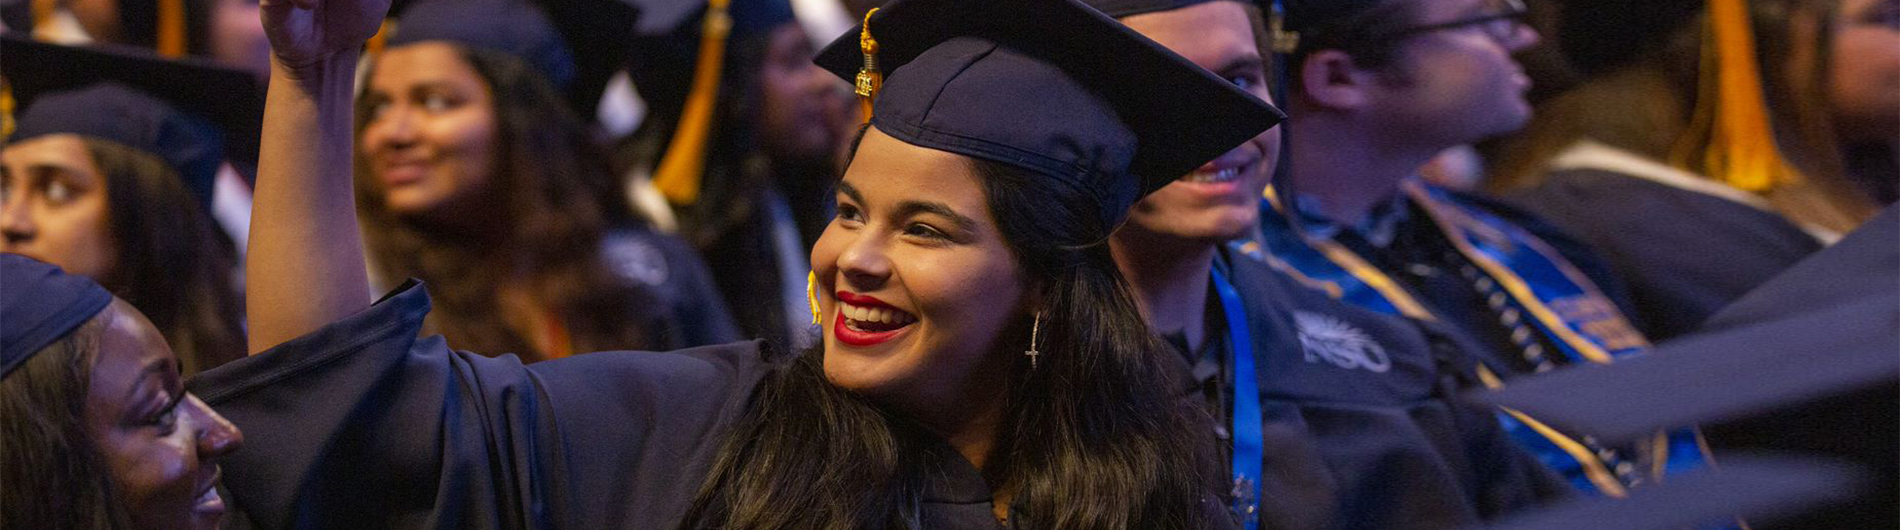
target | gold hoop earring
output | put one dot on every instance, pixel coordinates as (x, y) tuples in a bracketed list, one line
[(1035, 329)]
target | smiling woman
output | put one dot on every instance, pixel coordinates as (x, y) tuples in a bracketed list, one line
[(983, 362), (474, 176), (97, 418)]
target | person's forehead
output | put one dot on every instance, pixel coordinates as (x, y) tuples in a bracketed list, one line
[(428, 62), (125, 354), (67, 151), (887, 170), (1206, 33)]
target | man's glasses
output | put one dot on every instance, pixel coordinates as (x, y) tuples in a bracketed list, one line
[(1500, 24)]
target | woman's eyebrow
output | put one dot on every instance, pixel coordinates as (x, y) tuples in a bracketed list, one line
[(909, 208)]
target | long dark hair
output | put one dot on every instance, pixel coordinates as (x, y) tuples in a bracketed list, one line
[(54, 476), (559, 199), (1095, 436), (173, 264)]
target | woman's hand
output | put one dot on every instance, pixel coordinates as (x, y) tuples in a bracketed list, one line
[(304, 33)]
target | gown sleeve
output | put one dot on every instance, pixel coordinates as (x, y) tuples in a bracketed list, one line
[(361, 424)]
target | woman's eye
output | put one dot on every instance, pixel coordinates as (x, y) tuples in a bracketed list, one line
[(437, 103), (166, 419), (1242, 81), (58, 192), (924, 231), (849, 214), (377, 108)]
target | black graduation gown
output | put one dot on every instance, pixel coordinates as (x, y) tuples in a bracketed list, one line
[(1423, 260), (1380, 444), (1683, 254), (361, 424), (694, 314)]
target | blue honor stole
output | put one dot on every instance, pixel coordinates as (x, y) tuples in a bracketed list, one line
[(1533, 279)]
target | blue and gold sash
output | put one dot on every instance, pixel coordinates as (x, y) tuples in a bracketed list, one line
[(1562, 303)]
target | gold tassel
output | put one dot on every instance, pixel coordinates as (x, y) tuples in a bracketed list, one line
[(869, 78), (380, 39), (43, 11), (684, 164), (1730, 137), (6, 115), (171, 28)]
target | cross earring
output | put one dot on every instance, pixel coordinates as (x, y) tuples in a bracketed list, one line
[(1035, 329)]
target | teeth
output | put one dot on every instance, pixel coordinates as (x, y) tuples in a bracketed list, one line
[(1223, 175), (875, 314)]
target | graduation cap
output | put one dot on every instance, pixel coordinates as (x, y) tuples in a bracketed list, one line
[(1828, 326), (577, 45), (192, 114), (39, 304), (1052, 86)]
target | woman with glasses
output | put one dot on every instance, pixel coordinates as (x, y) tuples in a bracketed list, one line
[(1723, 162), (982, 364)]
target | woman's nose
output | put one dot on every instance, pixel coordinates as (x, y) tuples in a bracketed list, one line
[(216, 436)]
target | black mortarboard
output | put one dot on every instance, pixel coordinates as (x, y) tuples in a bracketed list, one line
[(192, 114), (1828, 326), (576, 45), (669, 46), (1758, 489), (39, 304), (1123, 8), (1052, 86)]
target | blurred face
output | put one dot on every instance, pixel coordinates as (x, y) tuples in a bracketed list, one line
[(915, 282), (430, 136), (1458, 84), (1865, 69), (53, 205), (802, 103), (238, 36), (1220, 200), (160, 443)]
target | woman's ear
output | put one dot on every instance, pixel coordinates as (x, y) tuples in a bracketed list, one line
[(1331, 79)]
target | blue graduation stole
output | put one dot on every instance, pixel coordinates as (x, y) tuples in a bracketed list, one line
[(1560, 301)]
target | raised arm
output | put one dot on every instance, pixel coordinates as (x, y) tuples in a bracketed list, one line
[(305, 263)]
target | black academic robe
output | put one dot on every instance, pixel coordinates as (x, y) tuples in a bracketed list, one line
[(1362, 427), (361, 424), (1421, 258), (693, 313), (1683, 254)]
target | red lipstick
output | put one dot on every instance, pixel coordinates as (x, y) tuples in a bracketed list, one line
[(856, 337)]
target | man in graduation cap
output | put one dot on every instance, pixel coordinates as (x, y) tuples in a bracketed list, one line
[(109, 171), (1334, 413), (1377, 88)]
